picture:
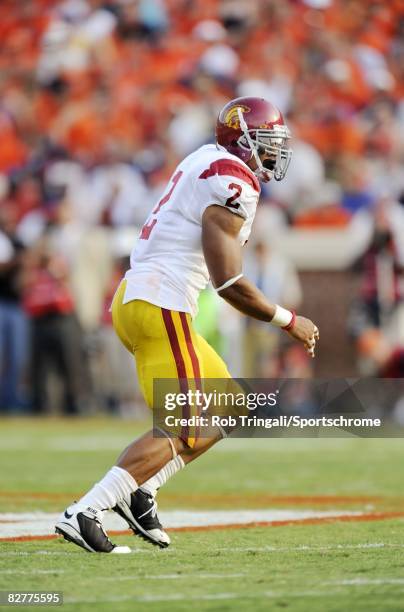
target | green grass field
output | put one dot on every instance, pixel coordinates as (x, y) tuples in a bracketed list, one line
[(355, 565)]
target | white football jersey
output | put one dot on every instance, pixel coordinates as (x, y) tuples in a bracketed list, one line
[(168, 267)]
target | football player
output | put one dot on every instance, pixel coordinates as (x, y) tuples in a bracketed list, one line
[(193, 234)]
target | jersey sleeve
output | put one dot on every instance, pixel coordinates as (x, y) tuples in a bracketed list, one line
[(227, 183)]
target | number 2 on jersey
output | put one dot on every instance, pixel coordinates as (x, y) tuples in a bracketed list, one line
[(147, 228), (229, 201)]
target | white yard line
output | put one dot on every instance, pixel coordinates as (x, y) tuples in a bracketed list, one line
[(304, 548), (42, 523), (184, 576), (359, 581), (234, 549), (75, 551), (32, 572), (167, 597), (228, 549)]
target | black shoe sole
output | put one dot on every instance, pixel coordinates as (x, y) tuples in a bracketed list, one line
[(138, 530)]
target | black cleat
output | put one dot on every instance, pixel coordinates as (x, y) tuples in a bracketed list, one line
[(141, 515), (82, 525)]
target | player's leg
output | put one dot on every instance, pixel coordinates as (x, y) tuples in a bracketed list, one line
[(174, 352), (161, 341), (191, 350), (213, 367), (167, 353), (140, 326)]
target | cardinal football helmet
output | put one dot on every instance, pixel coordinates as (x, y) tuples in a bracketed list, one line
[(248, 127)]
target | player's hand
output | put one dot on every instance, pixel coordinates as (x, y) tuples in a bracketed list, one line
[(305, 332)]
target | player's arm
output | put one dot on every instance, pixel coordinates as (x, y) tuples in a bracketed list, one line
[(222, 251)]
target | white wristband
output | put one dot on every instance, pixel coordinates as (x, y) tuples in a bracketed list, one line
[(282, 317)]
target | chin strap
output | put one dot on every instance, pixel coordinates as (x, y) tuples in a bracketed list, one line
[(263, 172)]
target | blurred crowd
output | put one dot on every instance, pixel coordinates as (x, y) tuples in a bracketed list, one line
[(100, 99)]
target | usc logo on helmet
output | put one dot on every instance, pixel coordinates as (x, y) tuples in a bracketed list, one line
[(231, 119)]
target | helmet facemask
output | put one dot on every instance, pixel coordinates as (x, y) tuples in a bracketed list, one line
[(273, 142)]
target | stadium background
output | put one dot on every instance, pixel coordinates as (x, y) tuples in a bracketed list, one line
[(99, 102)]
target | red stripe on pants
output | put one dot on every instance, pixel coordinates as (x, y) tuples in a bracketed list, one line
[(179, 362)]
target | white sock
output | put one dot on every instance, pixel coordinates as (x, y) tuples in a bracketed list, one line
[(157, 481), (117, 484)]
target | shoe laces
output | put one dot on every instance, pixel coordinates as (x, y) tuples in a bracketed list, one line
[(152, 510), (98, 520)]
